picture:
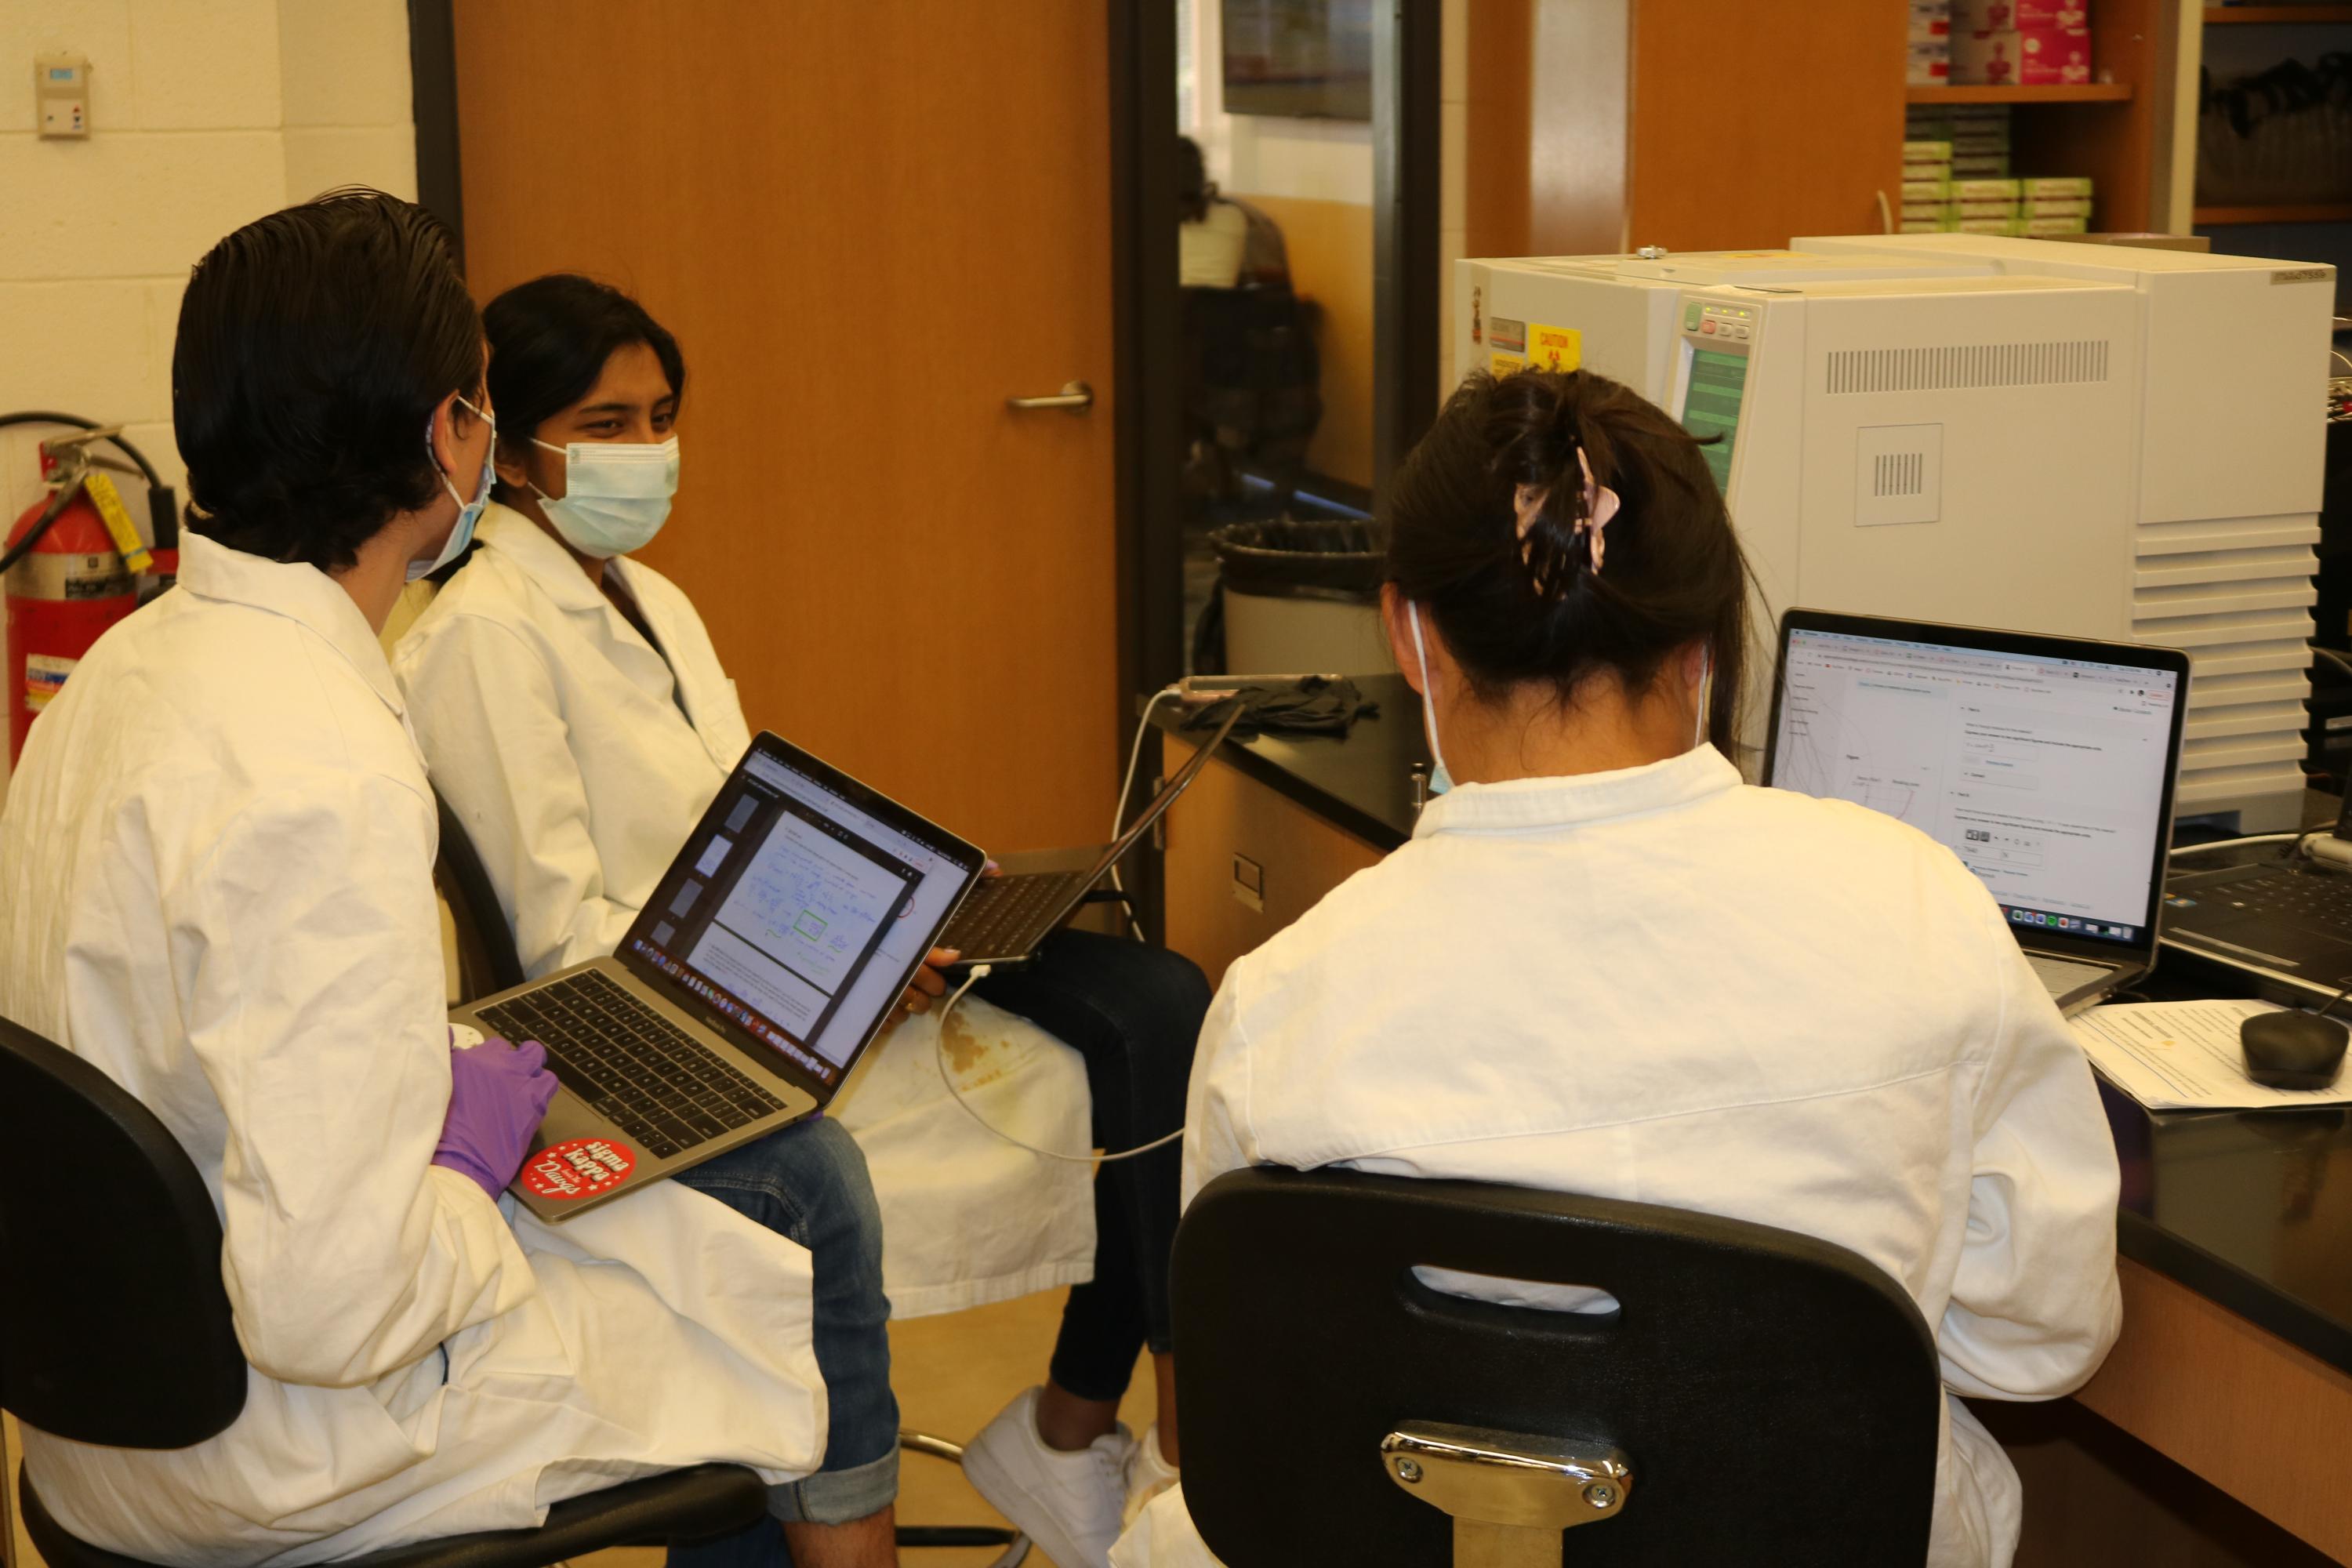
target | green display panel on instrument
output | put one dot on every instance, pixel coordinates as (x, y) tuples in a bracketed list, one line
[(1711, 407)]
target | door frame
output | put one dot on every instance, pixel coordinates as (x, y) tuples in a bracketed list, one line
[(1146, 323)]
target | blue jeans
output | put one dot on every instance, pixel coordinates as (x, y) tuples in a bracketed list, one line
[(808, 1182)]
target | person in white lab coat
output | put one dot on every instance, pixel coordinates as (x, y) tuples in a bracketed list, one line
[(217, 853), (1603, 964), (577, 720)]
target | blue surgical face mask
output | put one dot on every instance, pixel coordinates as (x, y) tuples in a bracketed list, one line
[(615, 495), (1439, 780), (469, 512)]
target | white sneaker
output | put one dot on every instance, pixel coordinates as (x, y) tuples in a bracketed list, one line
[(1149, 1474), (1069, 1503)]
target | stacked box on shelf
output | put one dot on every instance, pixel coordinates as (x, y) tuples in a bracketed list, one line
[(2028, 205), (1931, 62), (1927, 186), (2020, 43), (1972, 143)]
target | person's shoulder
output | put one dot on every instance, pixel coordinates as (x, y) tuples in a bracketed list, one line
[(489, 599), (1859, 855), (1342, 923)]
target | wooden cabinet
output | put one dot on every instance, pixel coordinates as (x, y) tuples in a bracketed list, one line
[(1602, 125)]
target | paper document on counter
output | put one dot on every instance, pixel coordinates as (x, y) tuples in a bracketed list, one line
[(2184, 1056)]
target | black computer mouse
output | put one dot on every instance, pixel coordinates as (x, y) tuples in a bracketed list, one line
[(2293, 1051)]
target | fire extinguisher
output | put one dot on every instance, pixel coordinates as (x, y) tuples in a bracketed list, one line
[(73, 561)]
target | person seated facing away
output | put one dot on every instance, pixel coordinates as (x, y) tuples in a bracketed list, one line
[(576, 718), (1222, 243), (1605, 965), (219, 850)]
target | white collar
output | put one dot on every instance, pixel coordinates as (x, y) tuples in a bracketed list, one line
[(540, 558), (1522, 805), (300, 593)]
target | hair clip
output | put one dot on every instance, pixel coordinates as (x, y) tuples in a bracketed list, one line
[(1600, 504)]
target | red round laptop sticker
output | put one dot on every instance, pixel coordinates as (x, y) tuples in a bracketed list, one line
[(579, 1168)]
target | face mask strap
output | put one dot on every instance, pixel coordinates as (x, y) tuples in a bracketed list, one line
[(1428, 698), (1705, 693)]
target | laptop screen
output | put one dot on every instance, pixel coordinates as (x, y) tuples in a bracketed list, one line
[(2049, 777), (799, 910)]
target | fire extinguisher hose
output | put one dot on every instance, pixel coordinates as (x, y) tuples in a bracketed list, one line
[(162, 506), (56, 508)]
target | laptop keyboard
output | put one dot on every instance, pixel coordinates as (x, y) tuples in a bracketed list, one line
[(1002, 912), (653, 1080), (2312, 900)]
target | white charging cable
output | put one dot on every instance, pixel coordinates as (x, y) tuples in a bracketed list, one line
[(1126, 788), (980, 972)]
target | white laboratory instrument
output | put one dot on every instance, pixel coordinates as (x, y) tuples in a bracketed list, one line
[(2088, 440)]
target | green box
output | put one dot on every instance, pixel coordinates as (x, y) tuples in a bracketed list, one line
[(2058, 185), (1984, 191)]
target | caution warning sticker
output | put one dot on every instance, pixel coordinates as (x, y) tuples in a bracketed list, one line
[(1555, 348), (579, 1168)]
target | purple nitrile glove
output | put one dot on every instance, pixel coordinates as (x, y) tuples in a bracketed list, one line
[(498, 1097)]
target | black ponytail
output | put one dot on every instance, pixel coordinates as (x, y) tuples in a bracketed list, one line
[(1564, 600)]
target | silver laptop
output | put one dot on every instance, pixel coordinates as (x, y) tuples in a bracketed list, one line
[(773, 952), (2045, 764)]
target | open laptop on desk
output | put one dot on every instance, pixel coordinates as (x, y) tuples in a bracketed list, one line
[(772, 950), (2045, 764), (2286, 923), (1006, 919)]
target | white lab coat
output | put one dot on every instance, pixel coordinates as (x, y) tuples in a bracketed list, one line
[(217, 855), (555, 733), (1664, 985)]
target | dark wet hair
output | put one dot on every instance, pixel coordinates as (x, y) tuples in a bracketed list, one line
[(549, 340), (1516, 610), (313, 346)]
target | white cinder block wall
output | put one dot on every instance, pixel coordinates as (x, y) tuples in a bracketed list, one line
[(205, 114)]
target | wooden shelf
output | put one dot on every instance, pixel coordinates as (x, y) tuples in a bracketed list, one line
[(2288, 15), (2307, 212), (2092, 92)]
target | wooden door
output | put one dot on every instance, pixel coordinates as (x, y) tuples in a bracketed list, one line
[(867, 225)]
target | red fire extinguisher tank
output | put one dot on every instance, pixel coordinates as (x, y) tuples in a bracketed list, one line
[(69, 588)]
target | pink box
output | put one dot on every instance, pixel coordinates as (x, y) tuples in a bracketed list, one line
[(2038, 56), (2001, 15)]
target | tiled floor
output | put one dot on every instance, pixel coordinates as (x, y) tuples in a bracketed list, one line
[(952, 1373)]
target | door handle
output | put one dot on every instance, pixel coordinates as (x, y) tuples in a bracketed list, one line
[(1075, 396)]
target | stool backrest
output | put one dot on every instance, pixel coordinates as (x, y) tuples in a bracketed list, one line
[(114, 1325), (1778, 1397), (486, 959)]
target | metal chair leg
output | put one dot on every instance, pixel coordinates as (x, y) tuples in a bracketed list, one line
[(918, 1536)]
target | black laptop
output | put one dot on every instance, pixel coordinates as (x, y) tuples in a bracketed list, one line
[(2045, 764), (2286, 923), (1004, 919)]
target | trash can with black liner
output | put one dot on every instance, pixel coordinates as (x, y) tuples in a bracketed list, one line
[(1296, 597)]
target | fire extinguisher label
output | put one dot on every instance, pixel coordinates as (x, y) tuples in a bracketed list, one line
[(44, 576), (44, 676)]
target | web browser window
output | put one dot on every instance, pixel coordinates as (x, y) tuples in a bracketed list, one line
[(798, 913), (2046, 776)]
